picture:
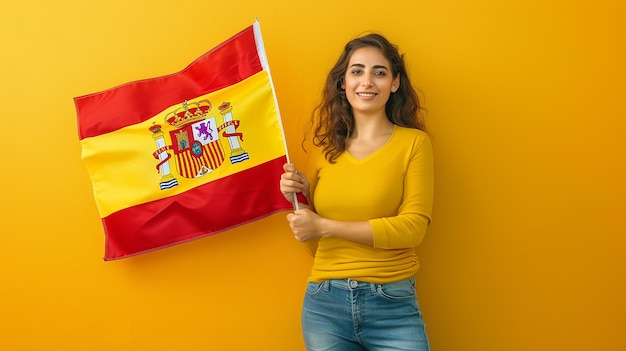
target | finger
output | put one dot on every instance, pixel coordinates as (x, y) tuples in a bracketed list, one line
[(299, 212), (298, 235), (288, 167), (292, 177), (292, 185), (287, 176), (289, 179)]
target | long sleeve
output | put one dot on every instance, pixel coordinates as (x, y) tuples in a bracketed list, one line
[(408, 227)]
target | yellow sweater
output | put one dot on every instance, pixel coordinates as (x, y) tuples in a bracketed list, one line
[(393, 190)]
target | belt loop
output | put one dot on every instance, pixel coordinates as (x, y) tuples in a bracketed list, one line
[(326, 285), (374, 287)]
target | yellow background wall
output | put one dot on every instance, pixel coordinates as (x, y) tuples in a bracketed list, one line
[(527, 114)]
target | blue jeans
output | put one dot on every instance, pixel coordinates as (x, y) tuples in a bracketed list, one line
[(346, 315)]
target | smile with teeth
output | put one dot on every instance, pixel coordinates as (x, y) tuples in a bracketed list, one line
[(366, 94)]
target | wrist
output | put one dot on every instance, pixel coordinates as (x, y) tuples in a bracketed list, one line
[(324, 227)]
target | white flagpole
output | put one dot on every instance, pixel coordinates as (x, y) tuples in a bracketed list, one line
[(260, 48)]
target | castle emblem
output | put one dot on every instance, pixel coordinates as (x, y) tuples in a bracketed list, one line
[(195, 143)]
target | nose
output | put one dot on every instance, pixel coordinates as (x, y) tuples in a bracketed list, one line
[(366, 80)]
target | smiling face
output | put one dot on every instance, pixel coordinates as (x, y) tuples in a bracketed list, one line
[(369, 81)]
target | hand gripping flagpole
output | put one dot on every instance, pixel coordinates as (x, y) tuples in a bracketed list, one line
[(260, 48)]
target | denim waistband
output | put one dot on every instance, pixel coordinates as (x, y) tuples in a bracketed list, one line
[(352, 284)]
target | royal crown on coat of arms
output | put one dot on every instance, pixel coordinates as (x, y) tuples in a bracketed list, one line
[(188, 113), (194, 136)]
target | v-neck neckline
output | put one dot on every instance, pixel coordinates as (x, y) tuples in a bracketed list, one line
[(373, 154)]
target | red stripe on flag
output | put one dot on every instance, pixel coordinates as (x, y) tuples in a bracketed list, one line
[(229, 63), (206, 210)]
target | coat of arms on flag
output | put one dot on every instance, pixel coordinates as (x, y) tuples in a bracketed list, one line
[(168, 165), (195, 141)]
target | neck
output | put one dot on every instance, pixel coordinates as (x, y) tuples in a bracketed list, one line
[(369, 126)]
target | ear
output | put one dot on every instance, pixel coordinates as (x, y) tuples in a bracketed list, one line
[(395, 85)]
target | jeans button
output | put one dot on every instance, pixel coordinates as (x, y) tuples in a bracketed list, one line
[(354, 284)]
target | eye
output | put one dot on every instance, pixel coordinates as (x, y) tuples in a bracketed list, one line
[(356, 71), (380, 73)]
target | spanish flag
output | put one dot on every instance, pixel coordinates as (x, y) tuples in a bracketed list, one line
[(187, 155)]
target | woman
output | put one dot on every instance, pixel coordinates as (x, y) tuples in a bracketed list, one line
[(367, 205)]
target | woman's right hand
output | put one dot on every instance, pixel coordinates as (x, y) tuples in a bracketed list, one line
[(292, 182)]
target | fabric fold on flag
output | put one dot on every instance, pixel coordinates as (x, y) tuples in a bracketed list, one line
[(187, 155)]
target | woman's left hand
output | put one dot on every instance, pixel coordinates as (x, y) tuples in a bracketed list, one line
[(305, 224)]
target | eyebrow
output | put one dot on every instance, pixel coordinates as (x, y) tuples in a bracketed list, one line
[(360, 65)]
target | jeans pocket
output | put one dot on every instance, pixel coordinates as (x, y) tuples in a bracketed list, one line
[(402, 290), (314, 288)]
